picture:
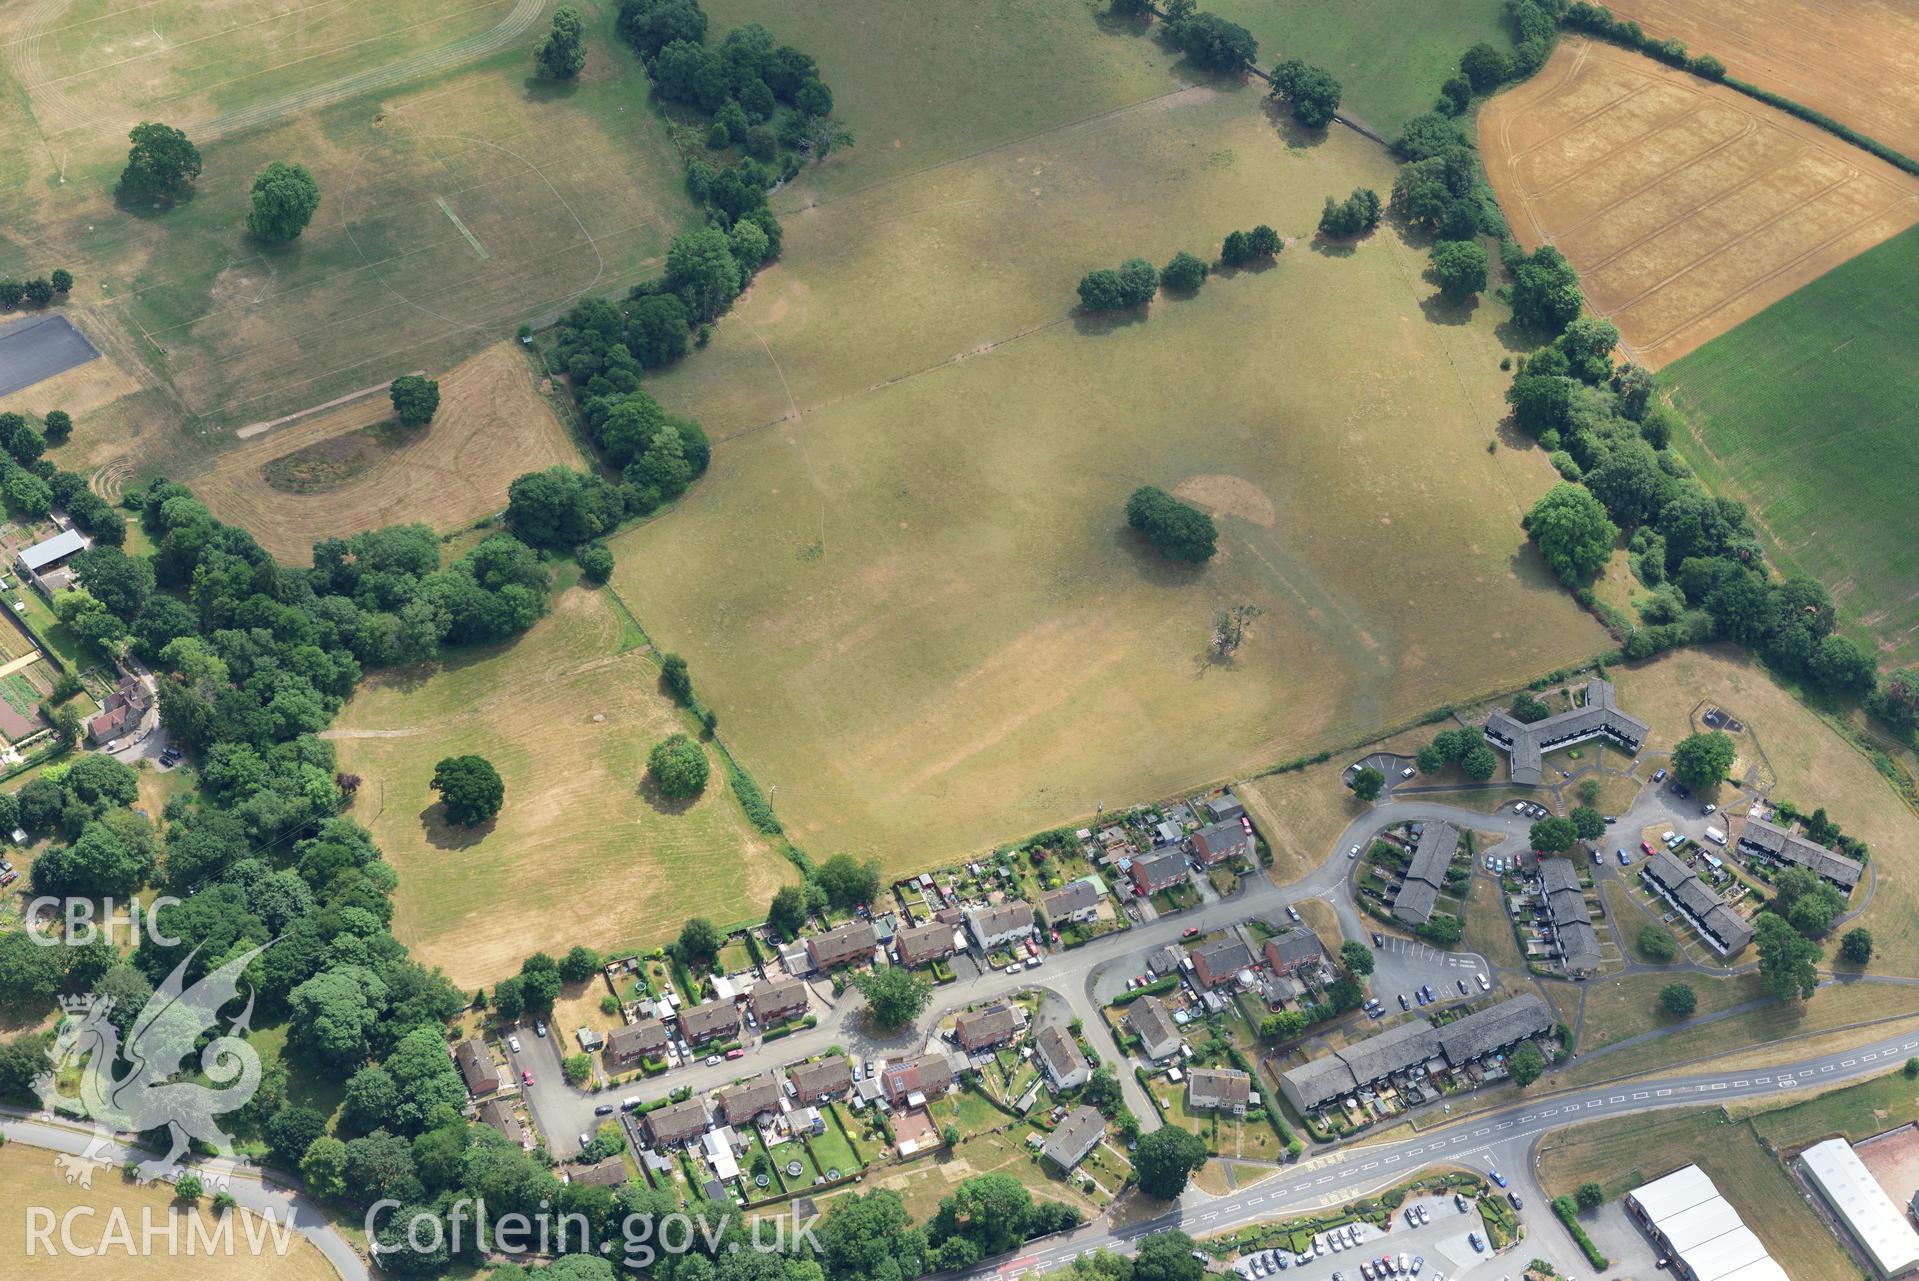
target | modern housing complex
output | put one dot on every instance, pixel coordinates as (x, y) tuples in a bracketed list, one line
[(1526, 744)]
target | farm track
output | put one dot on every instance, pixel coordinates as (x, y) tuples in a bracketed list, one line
[(59, 113)]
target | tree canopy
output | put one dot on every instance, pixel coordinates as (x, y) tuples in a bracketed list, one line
[(161, 165), (283, 200), (563, 52), (470, 788), (894, 995), (1166, 1159), (415, 399), (1176, 530), (1703, 760), (1571, 530), (1312, 92), (678, 767)]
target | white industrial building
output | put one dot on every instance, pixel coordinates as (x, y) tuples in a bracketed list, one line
[(1863, 1206), (1699, 1231)]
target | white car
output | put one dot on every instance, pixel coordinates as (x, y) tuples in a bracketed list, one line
[(513, 1044), (1408, 772), (1353, 852), (1485, 985), (714, 1060), (1292, 911)]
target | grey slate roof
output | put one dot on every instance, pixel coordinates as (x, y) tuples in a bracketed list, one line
[(1151, 1023), (1075, 1137), (1407, 1046), (853, 941), (1293, 947), (637, 1039), (1579, 947), (1222, 841), (1218, 1088), (1161, 869), (675, 1122), (922, 943), (814, 1081), (1789, 847), (1707, 910), (1426, 874), (777, 998), (1527, 745), (1495, 1028), (714, 1018), (1391, 1051), (1058, 1052), (1217, 962), (741, 1103), (1415, 902), (1224, 808), (1061, 904), (989, 922), (986, 1027)]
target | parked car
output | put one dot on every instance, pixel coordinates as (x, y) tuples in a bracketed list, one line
[(1190, 932), (736, 1053), (1425, 1215), (1659, 776), (1379, 940), (1518, 1202), (539, 1027), (1419, 1261), (1485, 985), (1646, 846), (1408, 772), (1404, 1004), (1292, 912), (1405, 1262), (1497, 1177), (1479, 1247), (1625, 859), (605, 1109), (1353, 852), (1596, 859), (513, 1044), (526, 1078), (714, 1060), (1710, 809), (1462, 988), (1464, 1206)]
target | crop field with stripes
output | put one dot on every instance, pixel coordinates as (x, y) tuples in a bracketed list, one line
[(1685, 206)]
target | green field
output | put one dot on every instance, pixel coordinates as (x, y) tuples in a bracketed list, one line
[(453, 206), (1809, 414), (583, 852), (1389, 56), (906, 583)]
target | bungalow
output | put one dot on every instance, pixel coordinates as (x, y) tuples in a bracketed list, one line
[(1155, 872), (979, 1029), (638, 1041), (1222, 842), (923, 943), (1077, 1135), (499, 1114), (744, 1104), (1527, 744), (911, 1082), (1769, 840), (1219, 1089), (1076, 902), (815, 1083), (1060, 1058), (1218, 963), (477, 1067), (993, 926), (1158, 1034), (853, 941), (609, 1173), (712, 1021), (1294, 950), (675, 1123), (776, 1000)]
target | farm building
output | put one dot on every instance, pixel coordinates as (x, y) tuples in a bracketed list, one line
[(1060, 1058), (1717, 923), (1415, 1047), (920, 944), (851, 942), (1076, 902), (1862, 1206), (992, 927), (1526, 745), (1219, 1089), (1158, 1034), (1700, 1230), (1769, 840), (1426, 875), (1221, 843), (1077, 1135)]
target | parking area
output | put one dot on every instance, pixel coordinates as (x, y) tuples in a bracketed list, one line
[(37, 348), (1621, 1240), (1439, 1249), (1406, 965), (1397, 769)]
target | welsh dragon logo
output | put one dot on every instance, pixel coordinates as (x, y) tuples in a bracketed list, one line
[(126, 1089)]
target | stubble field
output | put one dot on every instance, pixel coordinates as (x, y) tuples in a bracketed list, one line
[(493, 424), (1685, 206), (906, 583), (1853, 61), (582, 852)]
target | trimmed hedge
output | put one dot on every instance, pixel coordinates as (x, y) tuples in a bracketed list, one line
[(1569, 1215), (1155, 988)]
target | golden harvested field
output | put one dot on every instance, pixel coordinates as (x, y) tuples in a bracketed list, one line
[(494, 424), (1685, 206), (1856, 60), (582, 852), (28, 1178), (907, 584)]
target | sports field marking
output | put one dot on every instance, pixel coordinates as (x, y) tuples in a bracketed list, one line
[(461, 227)]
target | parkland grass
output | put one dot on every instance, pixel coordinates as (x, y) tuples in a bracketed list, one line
[(584, 851), (906, 579), (1818, 396)]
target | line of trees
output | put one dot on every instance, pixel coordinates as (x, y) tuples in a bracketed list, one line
[(34, 485), (1356, 215), (1133, 285), (1311, 91), (35, 292)]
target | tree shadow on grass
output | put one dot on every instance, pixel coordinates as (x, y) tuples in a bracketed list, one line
[(1093, 324), (649, 791), (540, 89), (147, 206), (1257, 267), (1516, 337), (1441, 310), (1290, 130), (1330, 248), (442, 834), (1155, 568)]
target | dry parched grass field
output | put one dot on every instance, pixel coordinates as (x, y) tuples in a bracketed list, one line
[(1685, 206), (582, 852), (907, 582), (28, 1178), (494, 424), (1854, 60)]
